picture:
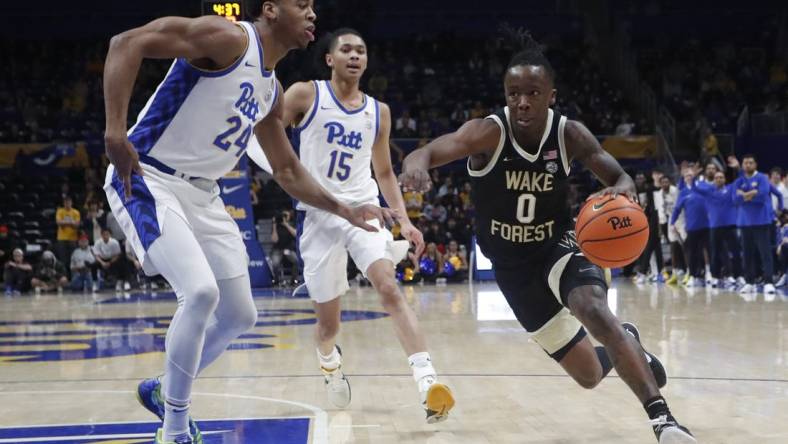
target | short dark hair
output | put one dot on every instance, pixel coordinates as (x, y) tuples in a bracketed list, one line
[(254, 8), (530, 53), (333, 38), (777, 170), (327, 44), (750, 156)]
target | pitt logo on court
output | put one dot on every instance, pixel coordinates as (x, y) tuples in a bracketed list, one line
[(336, 132), (247, 104), (80, 339)]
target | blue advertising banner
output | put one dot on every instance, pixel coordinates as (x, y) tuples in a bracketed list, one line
[(235, 193)]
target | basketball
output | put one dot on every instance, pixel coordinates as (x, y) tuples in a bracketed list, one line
[(612, 232)]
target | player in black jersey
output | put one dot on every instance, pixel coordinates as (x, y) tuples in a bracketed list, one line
[(519, 160)]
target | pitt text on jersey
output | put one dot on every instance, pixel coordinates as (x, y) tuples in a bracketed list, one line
[(530, 183), (336, 132)]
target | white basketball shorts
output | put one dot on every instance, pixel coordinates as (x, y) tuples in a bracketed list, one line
[(324, 242), (197, 202)]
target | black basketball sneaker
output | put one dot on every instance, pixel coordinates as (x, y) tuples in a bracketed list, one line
[(656, 366)]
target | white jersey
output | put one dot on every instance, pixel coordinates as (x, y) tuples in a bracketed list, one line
[(335, 146), (198, 123)]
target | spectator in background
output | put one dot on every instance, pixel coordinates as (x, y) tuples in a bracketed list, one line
[(283, 236), (94, 221), (776, 180), (665, 200), (436, 212), (414, 202), (645, 192), (405, 125), (725, 252), (431, 262), (478, 111), (457, 256), (135, 269), (782, 249), (5, 243), (68, 220), (435, 234), (465, 195), (459, 116), (625, 127), (447, 187), (456, 231), (109, 257), (114, 227), (17, 273), (697, 225), (754, 220), (50, 274), (378, 85), (82, 261), (710, 149)]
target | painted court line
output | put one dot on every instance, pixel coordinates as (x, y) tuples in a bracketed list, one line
[(319, 428)]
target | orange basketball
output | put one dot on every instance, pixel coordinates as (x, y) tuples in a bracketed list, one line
[(611, 232)]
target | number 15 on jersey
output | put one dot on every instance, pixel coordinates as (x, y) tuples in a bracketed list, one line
[(339, 166)]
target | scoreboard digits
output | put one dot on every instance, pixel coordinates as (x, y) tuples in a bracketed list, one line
[(232, 11)]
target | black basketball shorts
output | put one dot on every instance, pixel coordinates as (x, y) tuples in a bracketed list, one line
[(537, 290)]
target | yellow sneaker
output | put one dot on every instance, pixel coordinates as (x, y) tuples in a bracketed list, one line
[(438, 402)]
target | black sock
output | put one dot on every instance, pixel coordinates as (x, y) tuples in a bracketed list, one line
[(604, 359), (656, 407)]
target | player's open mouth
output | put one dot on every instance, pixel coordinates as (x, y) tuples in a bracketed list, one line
[(310, 33), (353, 68)]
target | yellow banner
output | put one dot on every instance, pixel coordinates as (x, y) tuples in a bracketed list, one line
[(630, 147)]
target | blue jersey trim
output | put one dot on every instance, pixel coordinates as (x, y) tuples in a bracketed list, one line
[(377, 119), (166, 102), (259, 43), (339, 104), (141, 208), (300, 217), (314, 109)]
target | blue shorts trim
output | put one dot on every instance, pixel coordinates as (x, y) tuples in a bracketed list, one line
[(141, 208)]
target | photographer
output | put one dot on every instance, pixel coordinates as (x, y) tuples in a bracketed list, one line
[(283, 236)]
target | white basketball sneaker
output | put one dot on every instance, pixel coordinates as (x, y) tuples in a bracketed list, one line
[(436, 398), (769, 289), (337, 385)]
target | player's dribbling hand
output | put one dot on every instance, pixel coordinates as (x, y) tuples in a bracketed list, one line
[(359, 216), (413, 235), (124, 157), (615, 191), (415, 180)]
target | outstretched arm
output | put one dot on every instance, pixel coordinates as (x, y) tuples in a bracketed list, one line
[(297, 182), (384, 173), (582, 146), (213, 39), (478, 138)]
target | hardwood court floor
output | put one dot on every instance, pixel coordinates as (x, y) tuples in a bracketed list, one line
[(76, 359)]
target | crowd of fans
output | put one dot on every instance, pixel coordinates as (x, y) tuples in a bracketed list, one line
[(725, 228), (429, 90), (89, 253)]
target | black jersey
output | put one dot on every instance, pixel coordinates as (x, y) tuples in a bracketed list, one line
[(521, 195)]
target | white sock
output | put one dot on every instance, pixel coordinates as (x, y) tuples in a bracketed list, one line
[(421, 364), (176, 419), (330, 362)]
